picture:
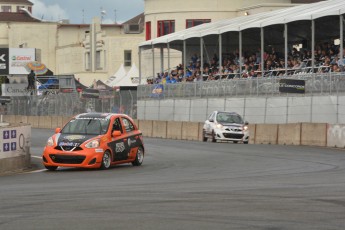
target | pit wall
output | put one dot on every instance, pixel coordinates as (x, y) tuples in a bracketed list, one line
[(312, 134)]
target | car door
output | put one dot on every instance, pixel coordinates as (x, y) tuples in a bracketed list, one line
[(209, 123), (119, 144), (132, 140)]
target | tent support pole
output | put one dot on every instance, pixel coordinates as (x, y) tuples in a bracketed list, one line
[(341, 39), (313, 45), (139, 65), (162, 59), (168, 46), (184, 55), (240, 52), (153, 61), (286, 46), (220, 54), (202, 57), (262, 49)]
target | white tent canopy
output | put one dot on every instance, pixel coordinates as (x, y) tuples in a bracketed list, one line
[(120, 73), (130, 79), (297, 13)]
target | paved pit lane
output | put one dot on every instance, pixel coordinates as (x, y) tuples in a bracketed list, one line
[(184, 185)]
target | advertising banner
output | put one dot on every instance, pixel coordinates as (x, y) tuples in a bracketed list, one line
[(15, 90), (14, 141), (158, 91), (291, 86), (4, 61), (19, 57)]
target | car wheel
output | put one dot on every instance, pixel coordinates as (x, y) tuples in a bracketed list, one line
[(106, 160), (213, 136), (204, 138), (139, 158), (245, 142), (51, 168)]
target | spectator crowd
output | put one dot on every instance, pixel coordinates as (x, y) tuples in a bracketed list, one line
[(327, 59)]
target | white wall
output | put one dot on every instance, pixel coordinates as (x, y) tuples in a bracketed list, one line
[(263, 110)]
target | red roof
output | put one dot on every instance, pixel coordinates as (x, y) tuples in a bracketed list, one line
[(16, 17)]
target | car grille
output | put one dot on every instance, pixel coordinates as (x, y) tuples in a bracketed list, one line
[(68, 148), (233, 135), (234, 129), (66, 159)]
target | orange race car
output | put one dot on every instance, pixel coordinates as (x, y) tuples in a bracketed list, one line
[(95, 140)]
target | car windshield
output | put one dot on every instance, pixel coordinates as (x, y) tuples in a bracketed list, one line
[(229, 118), (90, 126)]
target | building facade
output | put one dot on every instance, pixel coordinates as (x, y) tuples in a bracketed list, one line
[(89, 52)]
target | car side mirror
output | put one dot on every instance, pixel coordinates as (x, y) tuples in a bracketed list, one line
[(246, 123), (57, 130), (116, 133)]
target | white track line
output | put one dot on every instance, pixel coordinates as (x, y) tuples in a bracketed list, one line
[(39, 170), (38, 157)]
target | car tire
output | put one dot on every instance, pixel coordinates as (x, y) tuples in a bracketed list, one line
[(139, 157), (106, 160), (204, 138), (213, 136), (51, 168)]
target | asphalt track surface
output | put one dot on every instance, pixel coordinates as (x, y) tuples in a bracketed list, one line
[(183, 185)]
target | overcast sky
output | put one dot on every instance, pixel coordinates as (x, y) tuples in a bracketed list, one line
[(53, 10)]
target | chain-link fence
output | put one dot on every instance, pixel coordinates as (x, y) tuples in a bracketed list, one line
[(69, 104), (329, 83)]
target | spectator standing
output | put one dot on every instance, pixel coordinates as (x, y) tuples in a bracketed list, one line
[(31, 80)]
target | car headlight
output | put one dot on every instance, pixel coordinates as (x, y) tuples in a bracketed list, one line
[(219, 126), (245, 128), (50, 141), (92, 144)]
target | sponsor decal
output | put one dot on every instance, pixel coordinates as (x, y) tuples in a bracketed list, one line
[(291, 86), (130, 142), (99, 150), (70, 144), (13, 146), (74, 137), (120, 147)]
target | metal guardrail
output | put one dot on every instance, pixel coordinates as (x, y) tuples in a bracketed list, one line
[(327, 83)]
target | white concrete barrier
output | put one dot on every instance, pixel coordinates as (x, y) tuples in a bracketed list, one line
[(336, 136), (15, 142)]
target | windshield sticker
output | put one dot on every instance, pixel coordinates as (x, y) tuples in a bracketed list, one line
[(74, 137), (93, 118), (120, 147)]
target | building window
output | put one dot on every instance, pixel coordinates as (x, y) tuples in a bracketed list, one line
[(19, 8), (30, 9), (148, 31), (165, 27), (5, 8), (128, 58), (195, 22), (98, 59)]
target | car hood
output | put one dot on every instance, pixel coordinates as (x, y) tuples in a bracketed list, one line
[(72, 139)]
